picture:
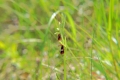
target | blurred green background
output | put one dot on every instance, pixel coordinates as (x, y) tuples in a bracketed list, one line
[(29, 46)]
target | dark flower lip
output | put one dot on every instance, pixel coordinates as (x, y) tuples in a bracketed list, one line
[(62, 49), (61, 52), (59, 37)]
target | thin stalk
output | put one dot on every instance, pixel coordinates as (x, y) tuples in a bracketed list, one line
[(65, 67), (91, 55)]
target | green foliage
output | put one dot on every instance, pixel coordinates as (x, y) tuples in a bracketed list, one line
[(90, 32)]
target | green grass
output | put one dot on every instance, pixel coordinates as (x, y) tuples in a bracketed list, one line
[(29, 48)]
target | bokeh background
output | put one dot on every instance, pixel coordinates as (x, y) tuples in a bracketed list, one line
[(29, 46)]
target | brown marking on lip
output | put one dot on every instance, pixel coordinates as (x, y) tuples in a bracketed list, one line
[(59, 37)]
